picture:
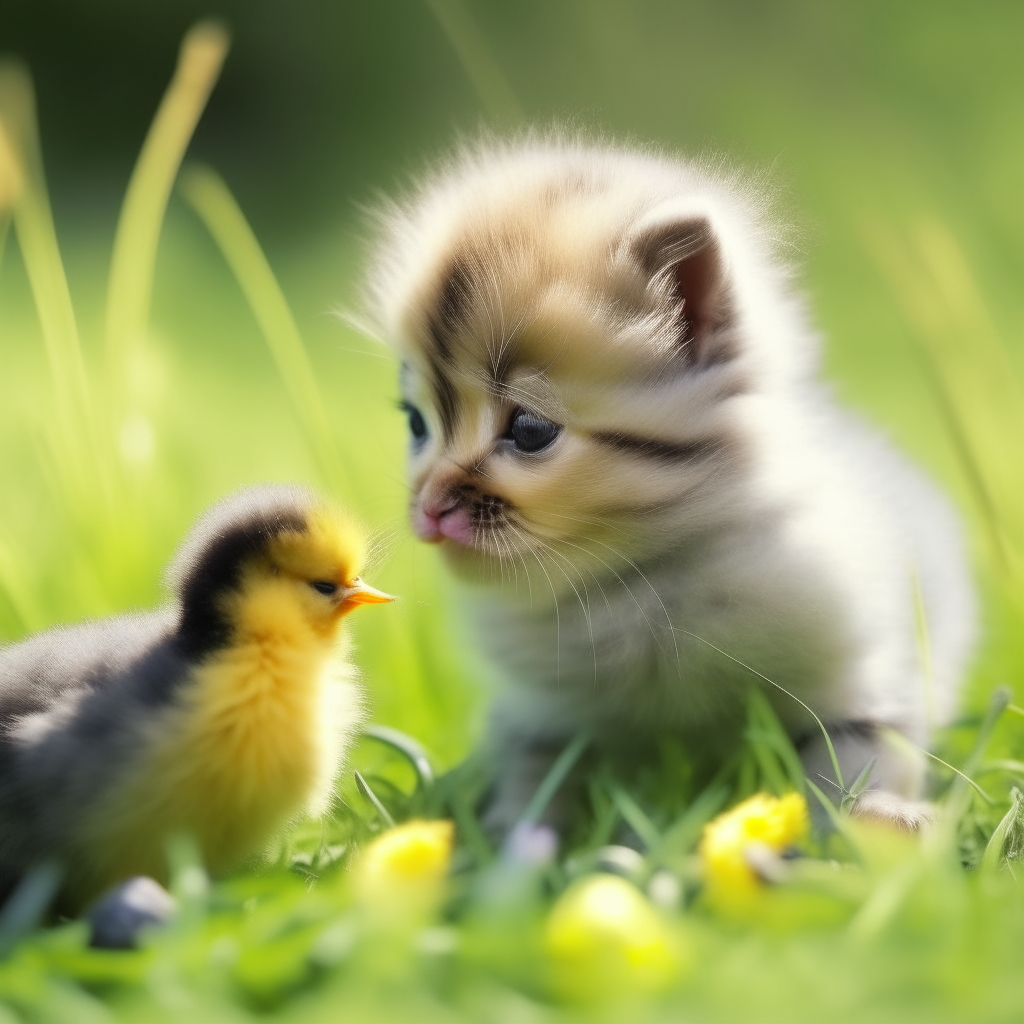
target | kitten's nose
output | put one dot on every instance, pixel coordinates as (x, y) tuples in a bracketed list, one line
[(426, 525), (433, 521)]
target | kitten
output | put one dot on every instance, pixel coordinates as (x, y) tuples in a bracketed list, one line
[(619, 441)]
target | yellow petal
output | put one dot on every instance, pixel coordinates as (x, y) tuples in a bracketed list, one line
[(603, 937), (764, 819), (416, 854)]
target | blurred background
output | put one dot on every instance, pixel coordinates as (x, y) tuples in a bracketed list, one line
[(889, 133)]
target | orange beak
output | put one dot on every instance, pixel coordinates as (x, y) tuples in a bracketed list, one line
[(358, 592)]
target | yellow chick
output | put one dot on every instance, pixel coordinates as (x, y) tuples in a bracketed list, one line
[(224, 716)]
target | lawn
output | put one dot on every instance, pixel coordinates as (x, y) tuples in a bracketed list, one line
[(136, 390)]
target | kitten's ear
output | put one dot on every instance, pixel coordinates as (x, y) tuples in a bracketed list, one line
[(683, 253)]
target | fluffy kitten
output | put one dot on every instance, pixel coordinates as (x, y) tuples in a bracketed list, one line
[(619, 441)]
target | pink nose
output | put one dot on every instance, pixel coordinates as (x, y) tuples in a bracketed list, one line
[(433, 524)]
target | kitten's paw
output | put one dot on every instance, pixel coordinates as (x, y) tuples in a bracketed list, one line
[(894, 810)]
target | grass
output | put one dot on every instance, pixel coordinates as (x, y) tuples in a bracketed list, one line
[(114, 438)]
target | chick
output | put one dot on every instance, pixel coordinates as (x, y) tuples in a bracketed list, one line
[(224, 715)]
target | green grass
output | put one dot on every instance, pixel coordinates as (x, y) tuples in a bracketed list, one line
[(119, 423)]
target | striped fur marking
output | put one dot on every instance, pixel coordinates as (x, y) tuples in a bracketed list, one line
[(453, 300), (662, 451)]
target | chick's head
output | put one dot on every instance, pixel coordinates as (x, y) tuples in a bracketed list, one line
[(267, 559), (320, 564)]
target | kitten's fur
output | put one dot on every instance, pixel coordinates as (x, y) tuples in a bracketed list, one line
[(705, 500)]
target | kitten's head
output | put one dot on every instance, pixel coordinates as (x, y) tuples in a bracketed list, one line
[(579, 330)]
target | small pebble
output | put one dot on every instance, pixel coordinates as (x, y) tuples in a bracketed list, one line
[(118, 918)]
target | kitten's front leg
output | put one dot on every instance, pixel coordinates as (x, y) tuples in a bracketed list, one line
[(892, 794)]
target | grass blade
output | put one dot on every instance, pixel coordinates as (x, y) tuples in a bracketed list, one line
[(897, 739), (11, 187), (469, 829), (133, 260), (5, 226), (924, 648), (28, 903), (997, 704), (12, 181), (553, 780), (407, 746), (477, 61), (364, 788), (884, 902), (858, 786), (771, 744), (793, 696), (975, 387), (634, 816), (994, 849), (1002, 765), (830, 808), (74, 443), (682, 835), (207, 194)]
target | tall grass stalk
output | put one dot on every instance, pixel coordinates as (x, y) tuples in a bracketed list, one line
[(12, 184), (82, 424), (210, 197), (551, 783), (778, 686), (477, 60), (71, 427), (133, 260), (975, 385), (994, 851)]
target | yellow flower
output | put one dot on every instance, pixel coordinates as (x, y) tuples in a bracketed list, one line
[(762, 822), (406, 863), (603, 937)]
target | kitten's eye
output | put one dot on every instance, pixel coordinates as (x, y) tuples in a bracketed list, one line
[(323, 587), (417, 424), (530, 432)]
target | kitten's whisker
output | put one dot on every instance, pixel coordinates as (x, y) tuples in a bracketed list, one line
[(593, 575), (504, 541), (478, 469), (558, 619), (640, 608), (495, 549), (585, 520), (585, 607), (513, 548), (642, 575)]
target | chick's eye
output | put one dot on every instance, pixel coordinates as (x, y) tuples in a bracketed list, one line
[(417, 424), (323, 587), (530, 432)]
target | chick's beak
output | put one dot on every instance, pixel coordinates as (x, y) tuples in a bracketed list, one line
[(358, 592)]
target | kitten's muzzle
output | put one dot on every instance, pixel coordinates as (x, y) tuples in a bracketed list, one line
[(434, 522)]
